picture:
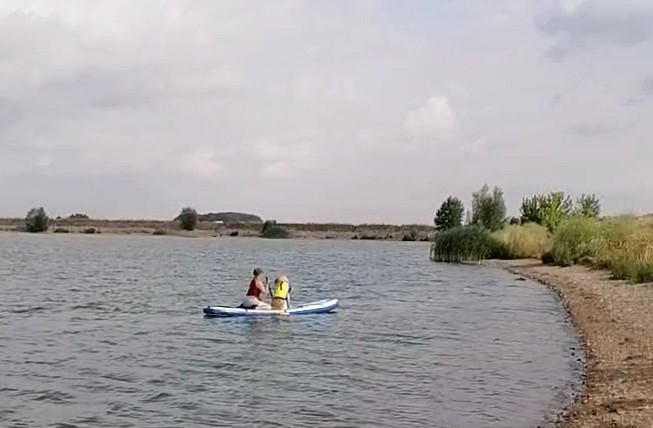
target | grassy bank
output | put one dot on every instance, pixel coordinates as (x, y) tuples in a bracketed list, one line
[(621, 244), (211, 229)]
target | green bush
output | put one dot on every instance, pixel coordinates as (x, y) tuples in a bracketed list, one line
[(188, 218), (275, 232), (466, 244), (78, 216), (160, 232), (523, 241), (91, 231), (576, 238), (61, 230), (627, 248), (37, 220)]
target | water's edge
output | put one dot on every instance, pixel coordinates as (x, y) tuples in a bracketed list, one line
[(579, 391)]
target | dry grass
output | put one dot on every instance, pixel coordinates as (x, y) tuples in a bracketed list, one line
[(524, 241), (615, 322)]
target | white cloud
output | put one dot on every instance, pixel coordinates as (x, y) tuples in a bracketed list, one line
[(284, 161), (435, 119), (316, 102), (202, 163)]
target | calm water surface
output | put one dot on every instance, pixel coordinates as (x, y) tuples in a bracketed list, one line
[(108, 331)]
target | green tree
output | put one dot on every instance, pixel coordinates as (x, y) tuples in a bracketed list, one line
[(188, 218), (588, 206), (547, 210), (36, 220), (450, 214), (488, 209)]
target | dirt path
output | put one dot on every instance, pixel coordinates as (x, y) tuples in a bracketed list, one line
[(615, 321)]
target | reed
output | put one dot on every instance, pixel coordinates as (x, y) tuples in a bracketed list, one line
[(627, 248), (465, 244), (576, 239)]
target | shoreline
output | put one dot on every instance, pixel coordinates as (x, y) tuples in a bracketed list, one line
[(334, 231), (613, 320)]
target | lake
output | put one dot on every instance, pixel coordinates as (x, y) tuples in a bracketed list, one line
[(108, 331)]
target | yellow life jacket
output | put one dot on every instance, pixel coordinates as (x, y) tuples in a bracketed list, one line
[(280, 289)]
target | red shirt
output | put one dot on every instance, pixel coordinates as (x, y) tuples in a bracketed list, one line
[(253, 289)]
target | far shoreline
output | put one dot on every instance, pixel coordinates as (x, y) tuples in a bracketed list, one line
[(331, 231)]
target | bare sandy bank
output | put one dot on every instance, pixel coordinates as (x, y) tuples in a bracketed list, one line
[(615, 322)]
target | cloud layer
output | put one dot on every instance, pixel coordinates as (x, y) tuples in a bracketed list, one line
[(321, 111)]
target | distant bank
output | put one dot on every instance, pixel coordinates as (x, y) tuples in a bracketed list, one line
[(220, 228)]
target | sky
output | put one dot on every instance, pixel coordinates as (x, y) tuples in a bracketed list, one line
[(322, 111)]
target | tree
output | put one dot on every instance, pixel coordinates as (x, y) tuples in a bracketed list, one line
[(488, 210), (36, 220), (588, 206), (188, 218), (547, 210), (450, 214)]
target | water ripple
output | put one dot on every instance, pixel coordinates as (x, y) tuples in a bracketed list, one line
[(108, 332)]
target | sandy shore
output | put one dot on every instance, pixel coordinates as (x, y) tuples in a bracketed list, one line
[(615, 322)]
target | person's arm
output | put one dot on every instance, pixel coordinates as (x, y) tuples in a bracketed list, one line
[(262, 287)]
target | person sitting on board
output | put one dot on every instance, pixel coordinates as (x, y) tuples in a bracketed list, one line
[(255, 292), (280, 293)]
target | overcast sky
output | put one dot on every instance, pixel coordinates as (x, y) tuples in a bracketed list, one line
[(358, 111)]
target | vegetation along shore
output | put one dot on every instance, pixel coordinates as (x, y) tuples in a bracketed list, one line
[(601, 267), (225, 224)]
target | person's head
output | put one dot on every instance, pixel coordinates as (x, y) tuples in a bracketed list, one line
[(282, 278), (257, 272)]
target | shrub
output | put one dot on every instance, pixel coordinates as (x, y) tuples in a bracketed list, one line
[(635, 259), (37, 220), (488, 210), (159, 232), (450, 214), (526, 241), (576, 238), (615, 234), (627, 249), (514, 220), (78, 216), (275, 232), (234, 233), (547, 258), (410, 237), (90, 231), (61, 230), (188, 218), (465, 243)]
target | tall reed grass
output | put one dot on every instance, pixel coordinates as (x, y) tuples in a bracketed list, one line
[(465, 244), (576, 238), (621, 244), (627, 248), (525, 241)]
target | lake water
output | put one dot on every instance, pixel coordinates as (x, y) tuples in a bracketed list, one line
[(108, 331)]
